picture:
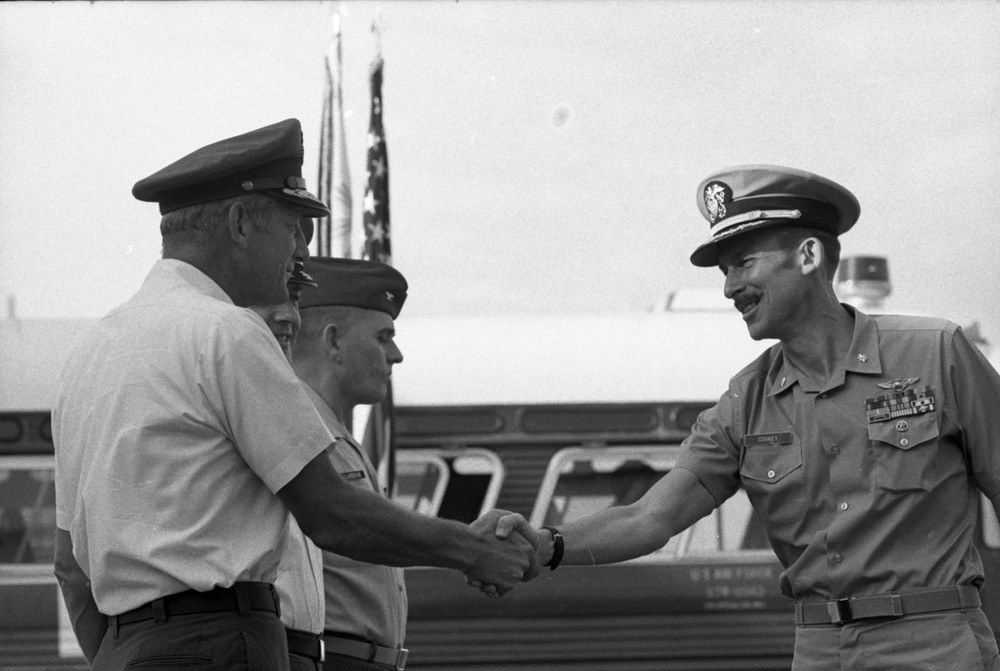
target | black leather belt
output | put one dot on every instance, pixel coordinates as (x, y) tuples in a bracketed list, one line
[(369, 651), (886, 605), (306, 644), (242, 597)]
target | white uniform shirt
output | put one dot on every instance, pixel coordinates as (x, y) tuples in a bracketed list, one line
[(300, 581), (366, 600), (176, 421)]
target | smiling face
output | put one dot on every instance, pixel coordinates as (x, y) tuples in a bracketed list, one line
[(765, 281), (283, 319)]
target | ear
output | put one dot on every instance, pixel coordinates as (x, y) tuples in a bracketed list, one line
[(331, 341), (810, 255), (239, 224)]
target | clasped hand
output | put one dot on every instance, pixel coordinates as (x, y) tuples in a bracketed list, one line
[(510, 553)]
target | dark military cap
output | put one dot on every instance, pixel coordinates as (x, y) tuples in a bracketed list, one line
[(748, 197), (361, 284), (297, 281), (301, 277), (266, 160)]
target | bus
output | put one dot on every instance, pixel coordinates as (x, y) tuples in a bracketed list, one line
[(551, 416)]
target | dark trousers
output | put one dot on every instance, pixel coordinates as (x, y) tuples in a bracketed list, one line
[(225, 641), (303, 663)]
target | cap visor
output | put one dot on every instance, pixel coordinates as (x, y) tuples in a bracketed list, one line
[(310, 204), (707, 254)]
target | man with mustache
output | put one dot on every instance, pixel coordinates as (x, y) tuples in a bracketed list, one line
[(863, 442)]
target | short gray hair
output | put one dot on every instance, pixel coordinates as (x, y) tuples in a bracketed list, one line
[(316, 318), (197, 222)]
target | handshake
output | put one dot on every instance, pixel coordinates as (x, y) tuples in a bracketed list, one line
[(509, 553)]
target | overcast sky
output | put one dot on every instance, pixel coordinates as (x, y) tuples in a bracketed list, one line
[(543, 156)]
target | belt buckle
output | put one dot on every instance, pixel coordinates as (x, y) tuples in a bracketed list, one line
[(401, 659), (322, 649), (839, 611)]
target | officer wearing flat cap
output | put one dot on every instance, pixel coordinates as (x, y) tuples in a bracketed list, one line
[(299, 581), (183, 439), (863, 442), (344, 356)]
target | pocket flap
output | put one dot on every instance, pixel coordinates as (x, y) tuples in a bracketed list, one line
[(771, 463), (905, 432)]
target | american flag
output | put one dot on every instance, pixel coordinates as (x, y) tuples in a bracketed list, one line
[(376, 202), (379, 434)]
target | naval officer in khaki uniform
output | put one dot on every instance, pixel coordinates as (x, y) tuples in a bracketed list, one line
[(864, 443)]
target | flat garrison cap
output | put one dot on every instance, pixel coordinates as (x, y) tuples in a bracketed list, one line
[(361, 284), (300, 277), (268, 160), (748, 197)]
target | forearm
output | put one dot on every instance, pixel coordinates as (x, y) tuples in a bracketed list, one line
[(367, 527), (89, 624), (362, 525), (620, 533)]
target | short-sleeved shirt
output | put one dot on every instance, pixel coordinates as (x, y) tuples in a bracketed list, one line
[(300, 579), (366, 600), (176, 421), (300, 583), (852, 506)]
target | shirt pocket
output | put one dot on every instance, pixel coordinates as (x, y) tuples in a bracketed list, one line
[(905, 451), (772, 476)]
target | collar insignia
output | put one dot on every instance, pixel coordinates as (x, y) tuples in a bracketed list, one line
[(898, 385)]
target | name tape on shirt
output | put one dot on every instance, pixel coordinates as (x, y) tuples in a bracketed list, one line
[(353, 475), (777, 438)]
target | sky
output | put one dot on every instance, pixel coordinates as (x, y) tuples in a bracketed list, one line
[(543, 156)]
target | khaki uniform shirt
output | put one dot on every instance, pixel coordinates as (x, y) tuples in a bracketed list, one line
[(300, 583), (366, 600), (853, 507), (176, 421)]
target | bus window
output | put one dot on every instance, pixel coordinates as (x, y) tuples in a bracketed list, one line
[(421, 478), (582, 481), (27, 513), (453, 484)]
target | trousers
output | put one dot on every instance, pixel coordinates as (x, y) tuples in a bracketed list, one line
[(944, 641), (224, 641)]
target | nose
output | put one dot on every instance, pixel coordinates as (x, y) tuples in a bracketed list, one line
[(733, 284), (283, 314), (394, 355), (301, 253)]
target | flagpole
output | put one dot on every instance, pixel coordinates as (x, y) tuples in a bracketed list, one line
[(334, 232)]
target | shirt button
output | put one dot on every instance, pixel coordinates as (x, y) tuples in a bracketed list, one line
[(904, 441), (843, 506), (837, 558), (835, 450), (770, 474)]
